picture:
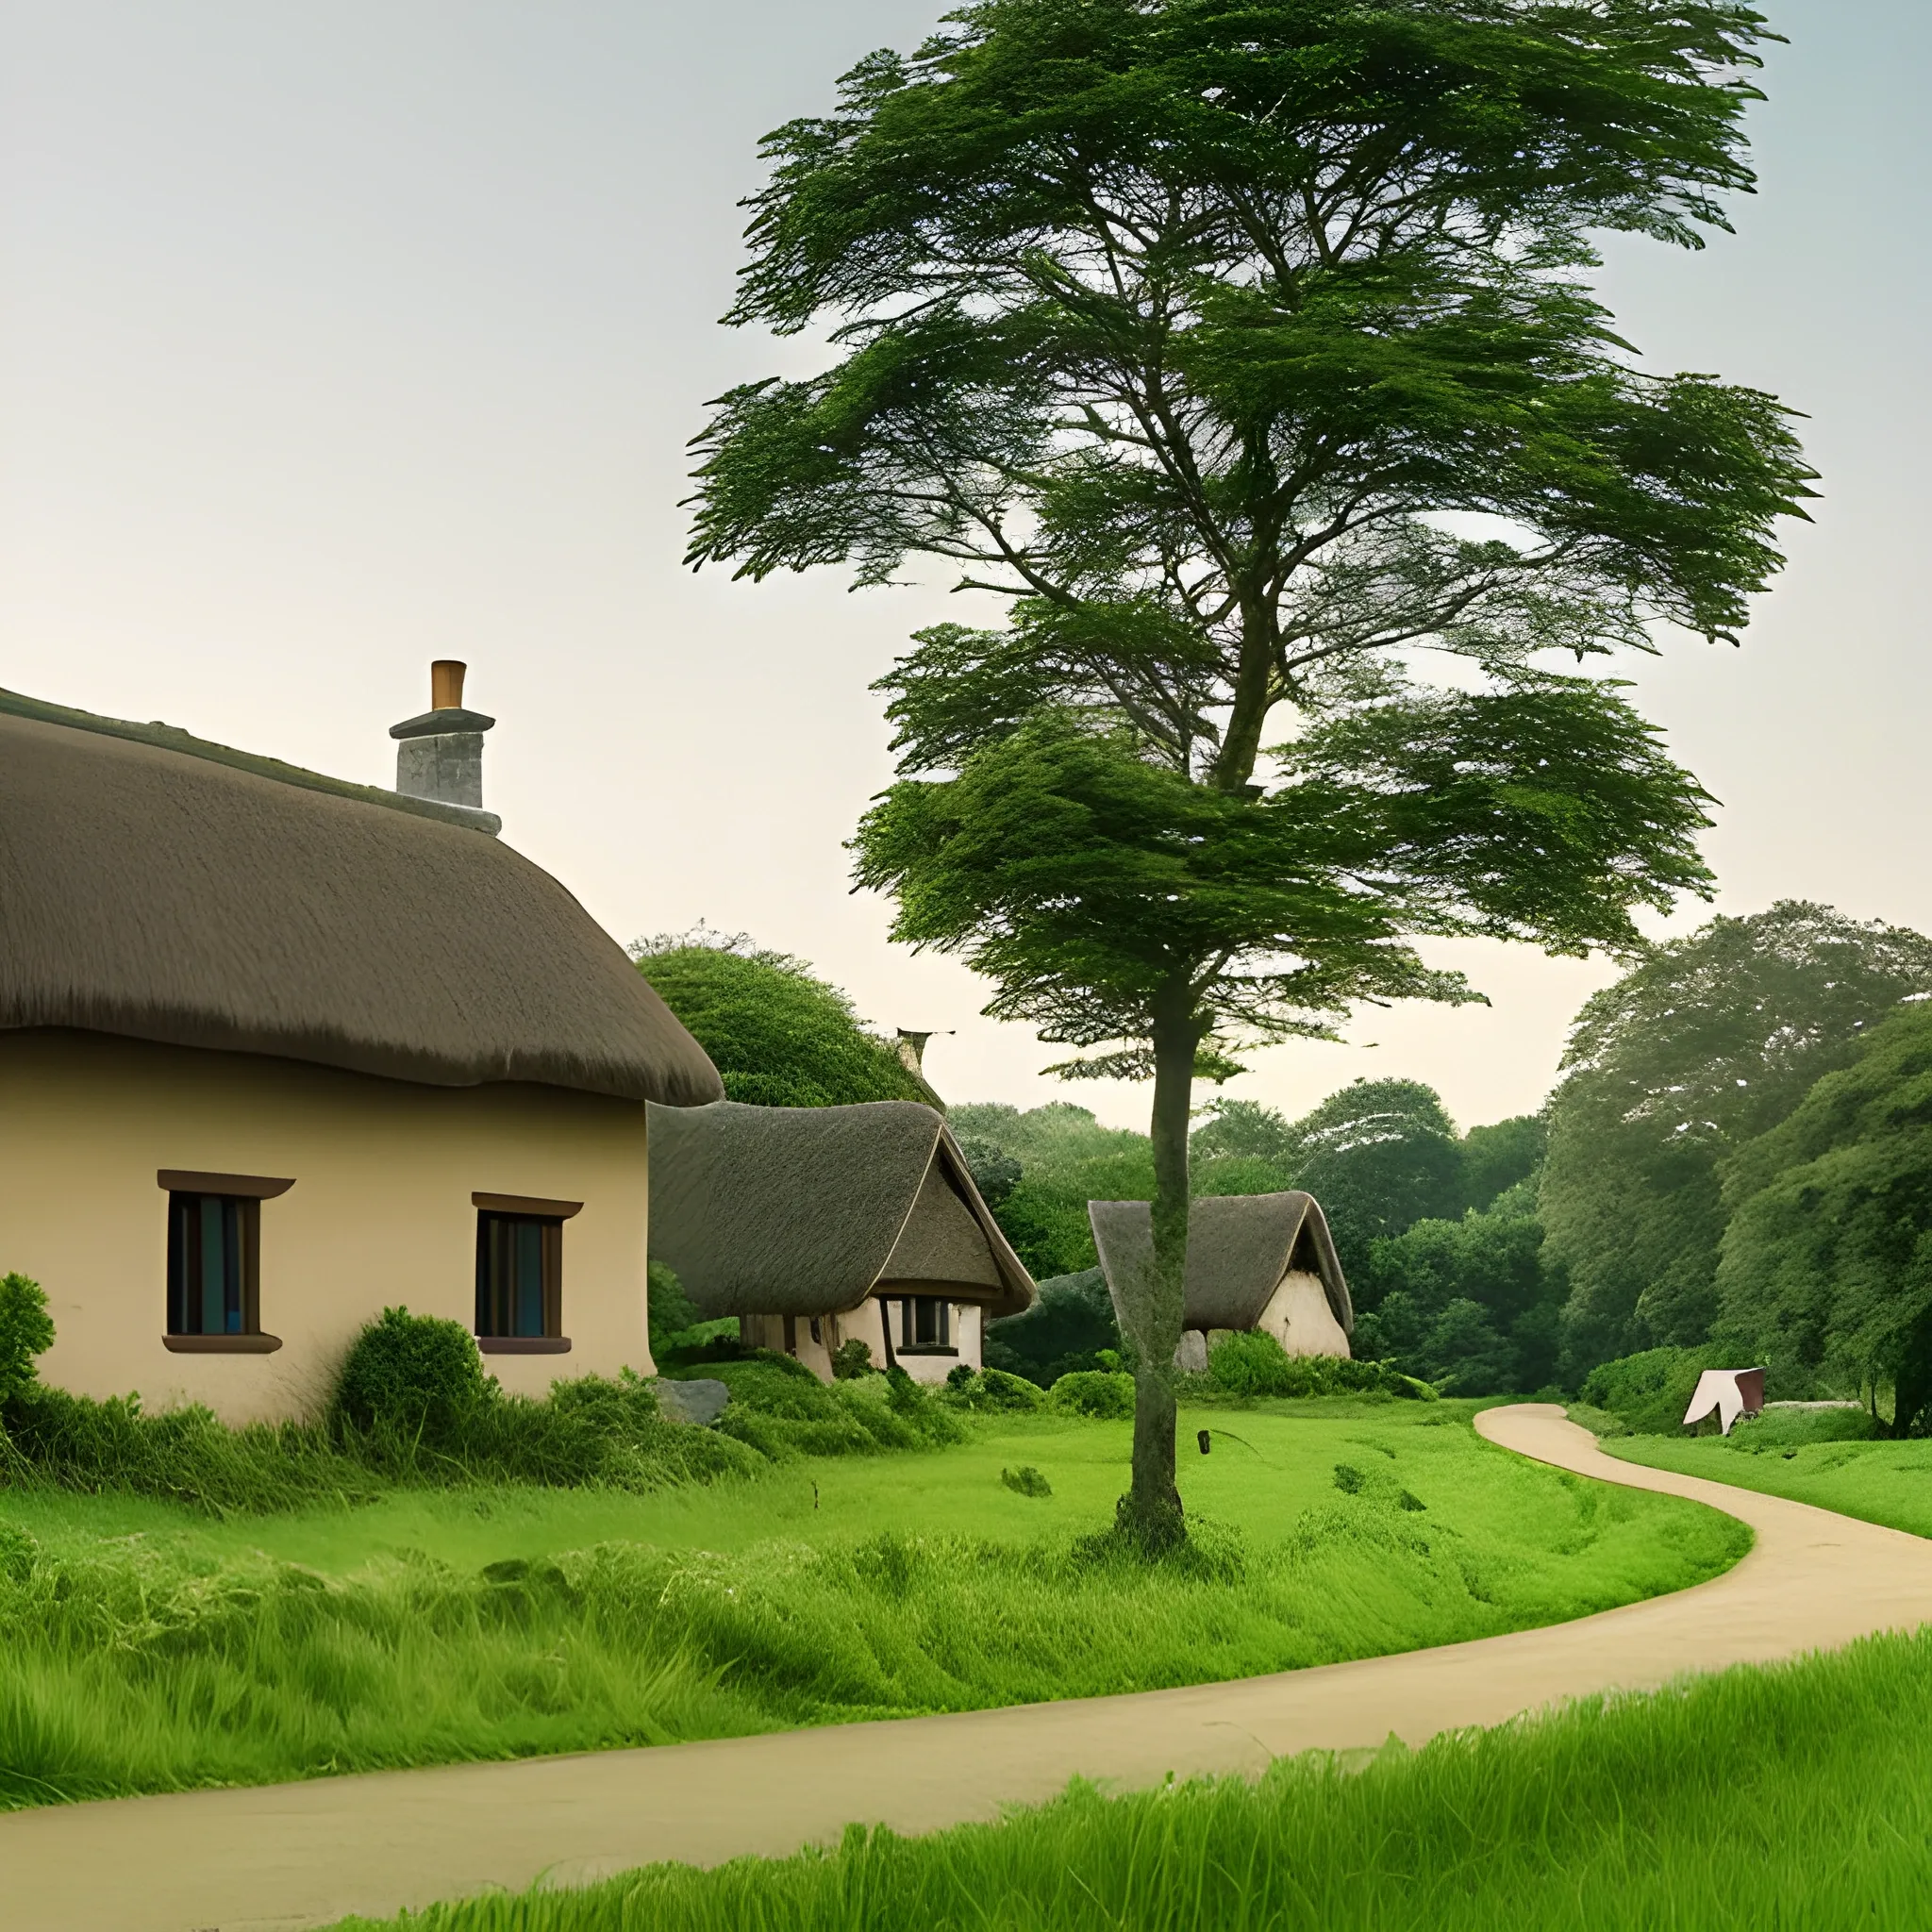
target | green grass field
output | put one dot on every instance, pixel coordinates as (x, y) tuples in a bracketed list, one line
[(148, 1647), (1879, 1482), (1797, 1798)]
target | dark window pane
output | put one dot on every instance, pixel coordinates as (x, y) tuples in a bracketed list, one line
[(205, 1267), (529, 1252), (925, 1322), (516, 1257), (231, 1267)]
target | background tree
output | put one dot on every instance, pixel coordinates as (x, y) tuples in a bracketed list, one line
[(1062, 1333), (1826, 1266), (1713, 1041), (1470, 1303), (1379, 1156), (1064, 1158), (1498, 1156), (1241, 348), (778, 1036)]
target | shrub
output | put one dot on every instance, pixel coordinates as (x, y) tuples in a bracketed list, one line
[(915, 1405), (993, 1389), (1027, 1481), (1002, 1390), (591, 1431), (1786, 1430), (415, 1374), (26, 1331), (1095, 1392), (1252, 1363), (1648, 1392), (670, 1312), (851, 1360)]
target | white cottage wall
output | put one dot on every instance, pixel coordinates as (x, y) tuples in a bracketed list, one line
[(1298, 1316)]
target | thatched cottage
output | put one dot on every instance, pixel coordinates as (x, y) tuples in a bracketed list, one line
[(818, 1226), (1262, 1261), (278, 1051)]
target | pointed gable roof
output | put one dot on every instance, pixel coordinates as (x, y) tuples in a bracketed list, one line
[(805, 1210), (1239, 1246)]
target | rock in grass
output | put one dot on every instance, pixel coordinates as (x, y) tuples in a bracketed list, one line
[(701, 1401), (1027, 1481)]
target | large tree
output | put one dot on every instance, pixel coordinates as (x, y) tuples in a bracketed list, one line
[(1241, 347), (1826, 1266), (1711, 1041)]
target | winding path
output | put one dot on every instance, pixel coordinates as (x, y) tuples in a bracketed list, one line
[(301, 1855)]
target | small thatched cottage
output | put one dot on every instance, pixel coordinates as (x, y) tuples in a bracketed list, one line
[(1262, 1261), (818, 1226), (278, 1051)]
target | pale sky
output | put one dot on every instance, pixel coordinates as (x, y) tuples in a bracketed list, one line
[(337, 338)]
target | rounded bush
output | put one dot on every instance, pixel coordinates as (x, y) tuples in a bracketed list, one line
[(851, 1360), (1095, 1392), (415, 1372), (1002, 1390)]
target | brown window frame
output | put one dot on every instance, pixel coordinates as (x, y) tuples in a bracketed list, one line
[(549, 1217), (244, 1194)]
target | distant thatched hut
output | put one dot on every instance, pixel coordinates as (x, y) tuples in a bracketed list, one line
[(1262, 1261), (816, 1225)]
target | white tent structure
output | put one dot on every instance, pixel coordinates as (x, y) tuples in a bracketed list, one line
[(1728, 1393)]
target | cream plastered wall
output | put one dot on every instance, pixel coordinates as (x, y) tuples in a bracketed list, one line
[(1298, 1316), (866, 1324), (380, 1213)]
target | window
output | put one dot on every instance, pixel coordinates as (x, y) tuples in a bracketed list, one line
[(214, 1262), (925, 1324), (520, 1273)]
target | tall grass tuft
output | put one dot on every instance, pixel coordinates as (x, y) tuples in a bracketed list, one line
[(1797, 1798)]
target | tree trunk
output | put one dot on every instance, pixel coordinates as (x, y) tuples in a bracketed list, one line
[(1151, 1511)]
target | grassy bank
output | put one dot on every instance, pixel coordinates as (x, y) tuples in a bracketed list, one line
[(1795, 1798), (587, 1433), (144, 1646), (1882, 1482)]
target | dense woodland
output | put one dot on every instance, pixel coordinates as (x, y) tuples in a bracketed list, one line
[(1735, 1161)]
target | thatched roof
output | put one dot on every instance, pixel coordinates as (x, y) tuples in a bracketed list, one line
[(805, 1210), (159, 890), (1238, 1248)]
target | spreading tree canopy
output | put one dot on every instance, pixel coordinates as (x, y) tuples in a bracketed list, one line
[(1243, 348), (1713, 1039)]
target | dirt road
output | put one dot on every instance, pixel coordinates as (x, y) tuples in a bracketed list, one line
[(301, 1855)]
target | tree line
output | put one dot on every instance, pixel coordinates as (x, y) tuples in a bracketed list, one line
[(1737, 1161)]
